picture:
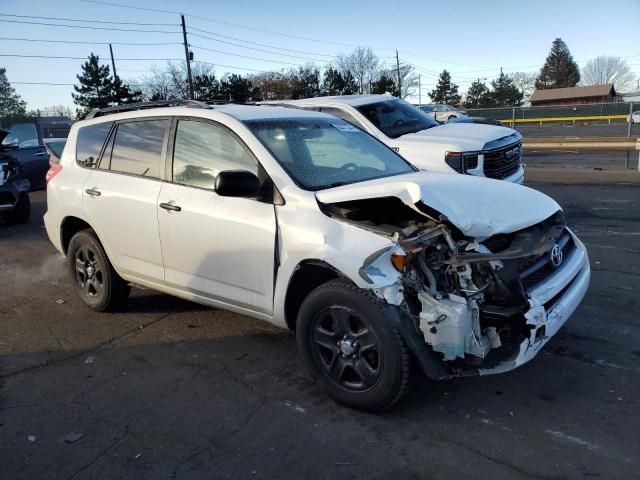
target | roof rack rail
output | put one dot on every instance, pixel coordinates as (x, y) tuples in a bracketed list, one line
[(128, 107)]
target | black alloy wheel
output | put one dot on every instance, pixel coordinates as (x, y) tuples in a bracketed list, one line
[(346, 348), (89, 271)]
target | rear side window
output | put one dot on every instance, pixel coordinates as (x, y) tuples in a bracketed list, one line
[(137, 147), (89, 143)]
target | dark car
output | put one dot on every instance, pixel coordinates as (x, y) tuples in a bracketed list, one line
[(15, 206), (481, 120), (30, 152)]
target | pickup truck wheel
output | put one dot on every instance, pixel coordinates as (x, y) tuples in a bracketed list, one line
[(94, 278), (348, 343), (20, 212)]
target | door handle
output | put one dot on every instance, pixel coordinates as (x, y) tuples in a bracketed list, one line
[(40, 154), (170, 206), (93, 192)]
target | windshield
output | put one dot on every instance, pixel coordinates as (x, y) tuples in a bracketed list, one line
[(327, 152), (395, 118)]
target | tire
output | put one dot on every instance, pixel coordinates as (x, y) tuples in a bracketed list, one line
[(451, 117), (349, 345), (20, 212), (92, 275)]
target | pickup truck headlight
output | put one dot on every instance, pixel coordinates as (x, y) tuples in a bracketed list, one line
[(461, 162)]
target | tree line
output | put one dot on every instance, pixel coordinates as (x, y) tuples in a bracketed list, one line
[(360, 72)]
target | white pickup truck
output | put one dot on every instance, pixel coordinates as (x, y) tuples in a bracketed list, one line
[(473, 149)]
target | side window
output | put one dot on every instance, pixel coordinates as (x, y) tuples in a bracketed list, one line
[(202, 150), (26, 133), (336, 112), (89, 143), (137, 147)]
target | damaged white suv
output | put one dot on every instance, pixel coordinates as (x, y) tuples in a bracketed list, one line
[(300, 219)]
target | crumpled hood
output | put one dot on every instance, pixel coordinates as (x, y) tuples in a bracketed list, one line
[(478, 207), (474, 136)]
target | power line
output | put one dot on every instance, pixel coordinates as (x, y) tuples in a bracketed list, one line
[(260, 44), (16, 55), (298, 37), (81, 42), (88, 21), (257, 49), (245, 56), (87, 27)]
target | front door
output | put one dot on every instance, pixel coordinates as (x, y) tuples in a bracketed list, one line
[(218, 247)]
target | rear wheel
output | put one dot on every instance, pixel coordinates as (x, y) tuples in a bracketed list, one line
[(21, 212), (349, 345), (94, 278)]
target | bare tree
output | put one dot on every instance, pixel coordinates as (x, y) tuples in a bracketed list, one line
[(526, 82), (363, 64), (408, 80), (56, 111), (608, 69)]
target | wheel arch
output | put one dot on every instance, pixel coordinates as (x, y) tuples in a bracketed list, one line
[(69, 226), (307, 275)]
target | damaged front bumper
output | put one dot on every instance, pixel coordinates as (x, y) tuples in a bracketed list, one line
[(551, 304)]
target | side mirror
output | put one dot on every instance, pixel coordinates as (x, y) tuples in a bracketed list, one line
[(237, 183), (10, 142)]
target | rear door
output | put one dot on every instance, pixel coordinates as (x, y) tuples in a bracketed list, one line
[(31, 153), (120, 197), (218, 247)]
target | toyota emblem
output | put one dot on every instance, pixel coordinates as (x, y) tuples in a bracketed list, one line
[(555, 256)]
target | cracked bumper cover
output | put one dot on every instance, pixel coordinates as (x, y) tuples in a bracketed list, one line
[(551, 304)]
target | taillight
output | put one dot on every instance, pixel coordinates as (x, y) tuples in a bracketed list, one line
[(52, 172)]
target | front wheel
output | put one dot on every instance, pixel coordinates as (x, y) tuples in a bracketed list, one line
[(349, 345), (93, 277)]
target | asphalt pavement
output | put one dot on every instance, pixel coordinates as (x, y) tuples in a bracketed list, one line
[(173, 390)]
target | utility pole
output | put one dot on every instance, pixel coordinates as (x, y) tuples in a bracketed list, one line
[(398, 71), (187, 56), (419, 91), (113, 63)]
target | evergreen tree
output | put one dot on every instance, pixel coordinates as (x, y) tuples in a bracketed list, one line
[(305, 82), (98, 89), (477, 95), (11, 104), (236, 88), (559, 69), (505, 93), (384, 84), (350, 86), (95, 89), (336, 83), (445, 91), (122, 93), (206, 87)]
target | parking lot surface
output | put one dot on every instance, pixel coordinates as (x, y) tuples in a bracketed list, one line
[(169, 389)]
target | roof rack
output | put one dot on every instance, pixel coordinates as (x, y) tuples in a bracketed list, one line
[(128, 107)]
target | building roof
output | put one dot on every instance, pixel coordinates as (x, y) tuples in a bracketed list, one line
[(573, 92)]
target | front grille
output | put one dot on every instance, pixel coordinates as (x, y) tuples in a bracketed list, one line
[(502, 162), (535, 270)]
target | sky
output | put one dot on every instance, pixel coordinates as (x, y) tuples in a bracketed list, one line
[(471, 39)]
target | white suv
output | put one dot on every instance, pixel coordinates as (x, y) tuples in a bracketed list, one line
[(474, 149), (300, 219)]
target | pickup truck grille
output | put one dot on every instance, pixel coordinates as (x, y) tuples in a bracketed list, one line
[(535, 270), (502, 162)]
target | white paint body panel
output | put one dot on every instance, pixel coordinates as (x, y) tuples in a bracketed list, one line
[(479, 207), (218, 247)]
